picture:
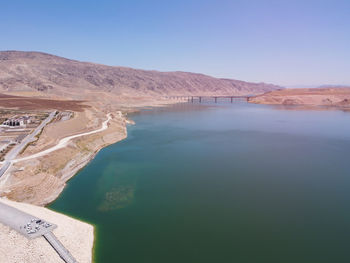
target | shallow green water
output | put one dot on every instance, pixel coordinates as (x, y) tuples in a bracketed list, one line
[(220, 183)]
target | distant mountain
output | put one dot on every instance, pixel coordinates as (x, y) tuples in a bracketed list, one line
[(49, 74), (328, 86)]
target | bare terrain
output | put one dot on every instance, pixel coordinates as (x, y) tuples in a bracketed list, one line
[(326, 96), (40, 180), (28, 103), (57, 76)]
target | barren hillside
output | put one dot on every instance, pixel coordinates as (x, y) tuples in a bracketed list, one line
[(326, 96), (52, 75)]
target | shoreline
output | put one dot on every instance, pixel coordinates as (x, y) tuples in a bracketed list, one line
[(53, 162), (69, 174), (304, 106), (30, 246), (85, 163), (80, 163), (335, 98), (48, 158), (70, 170), (77, 163)]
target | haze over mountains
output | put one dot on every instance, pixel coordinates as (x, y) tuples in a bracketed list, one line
[(49, 74)]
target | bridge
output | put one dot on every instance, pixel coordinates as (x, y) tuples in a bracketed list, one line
[(201, 99)]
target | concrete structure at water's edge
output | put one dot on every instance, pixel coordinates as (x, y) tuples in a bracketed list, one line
[(27, 225), (34, 234), (32, 227)]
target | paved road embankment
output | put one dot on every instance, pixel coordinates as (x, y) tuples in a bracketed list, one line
[(18, 148)]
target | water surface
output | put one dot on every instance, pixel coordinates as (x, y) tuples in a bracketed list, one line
[(220, 183)]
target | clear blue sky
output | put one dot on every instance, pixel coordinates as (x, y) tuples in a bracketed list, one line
[(283, 42)]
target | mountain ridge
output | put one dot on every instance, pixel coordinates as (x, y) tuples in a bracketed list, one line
[(51, 74)]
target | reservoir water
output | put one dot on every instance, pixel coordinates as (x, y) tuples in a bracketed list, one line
[(220, 183)]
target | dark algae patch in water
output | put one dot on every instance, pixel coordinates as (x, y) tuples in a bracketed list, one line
[(121, 195), (225, 183)]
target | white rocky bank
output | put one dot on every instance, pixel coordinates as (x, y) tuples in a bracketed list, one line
[(75, 235)]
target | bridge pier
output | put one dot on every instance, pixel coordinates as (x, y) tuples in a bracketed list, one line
[(200, 98)]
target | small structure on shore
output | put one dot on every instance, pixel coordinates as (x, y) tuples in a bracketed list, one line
[(20, 121)]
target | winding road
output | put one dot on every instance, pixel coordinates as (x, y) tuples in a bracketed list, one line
[(63, 142)]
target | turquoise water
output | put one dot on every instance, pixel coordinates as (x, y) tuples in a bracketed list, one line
[(220, 183)]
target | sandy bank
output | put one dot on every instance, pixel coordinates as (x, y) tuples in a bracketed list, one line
[(38, 178), (333, 97), (61, 151), (75, 235)]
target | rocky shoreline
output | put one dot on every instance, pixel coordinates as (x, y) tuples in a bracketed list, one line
[(78, 240), (330, 97)]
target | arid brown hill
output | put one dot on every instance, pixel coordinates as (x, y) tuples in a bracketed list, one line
[(34, 71), (326, 96)]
